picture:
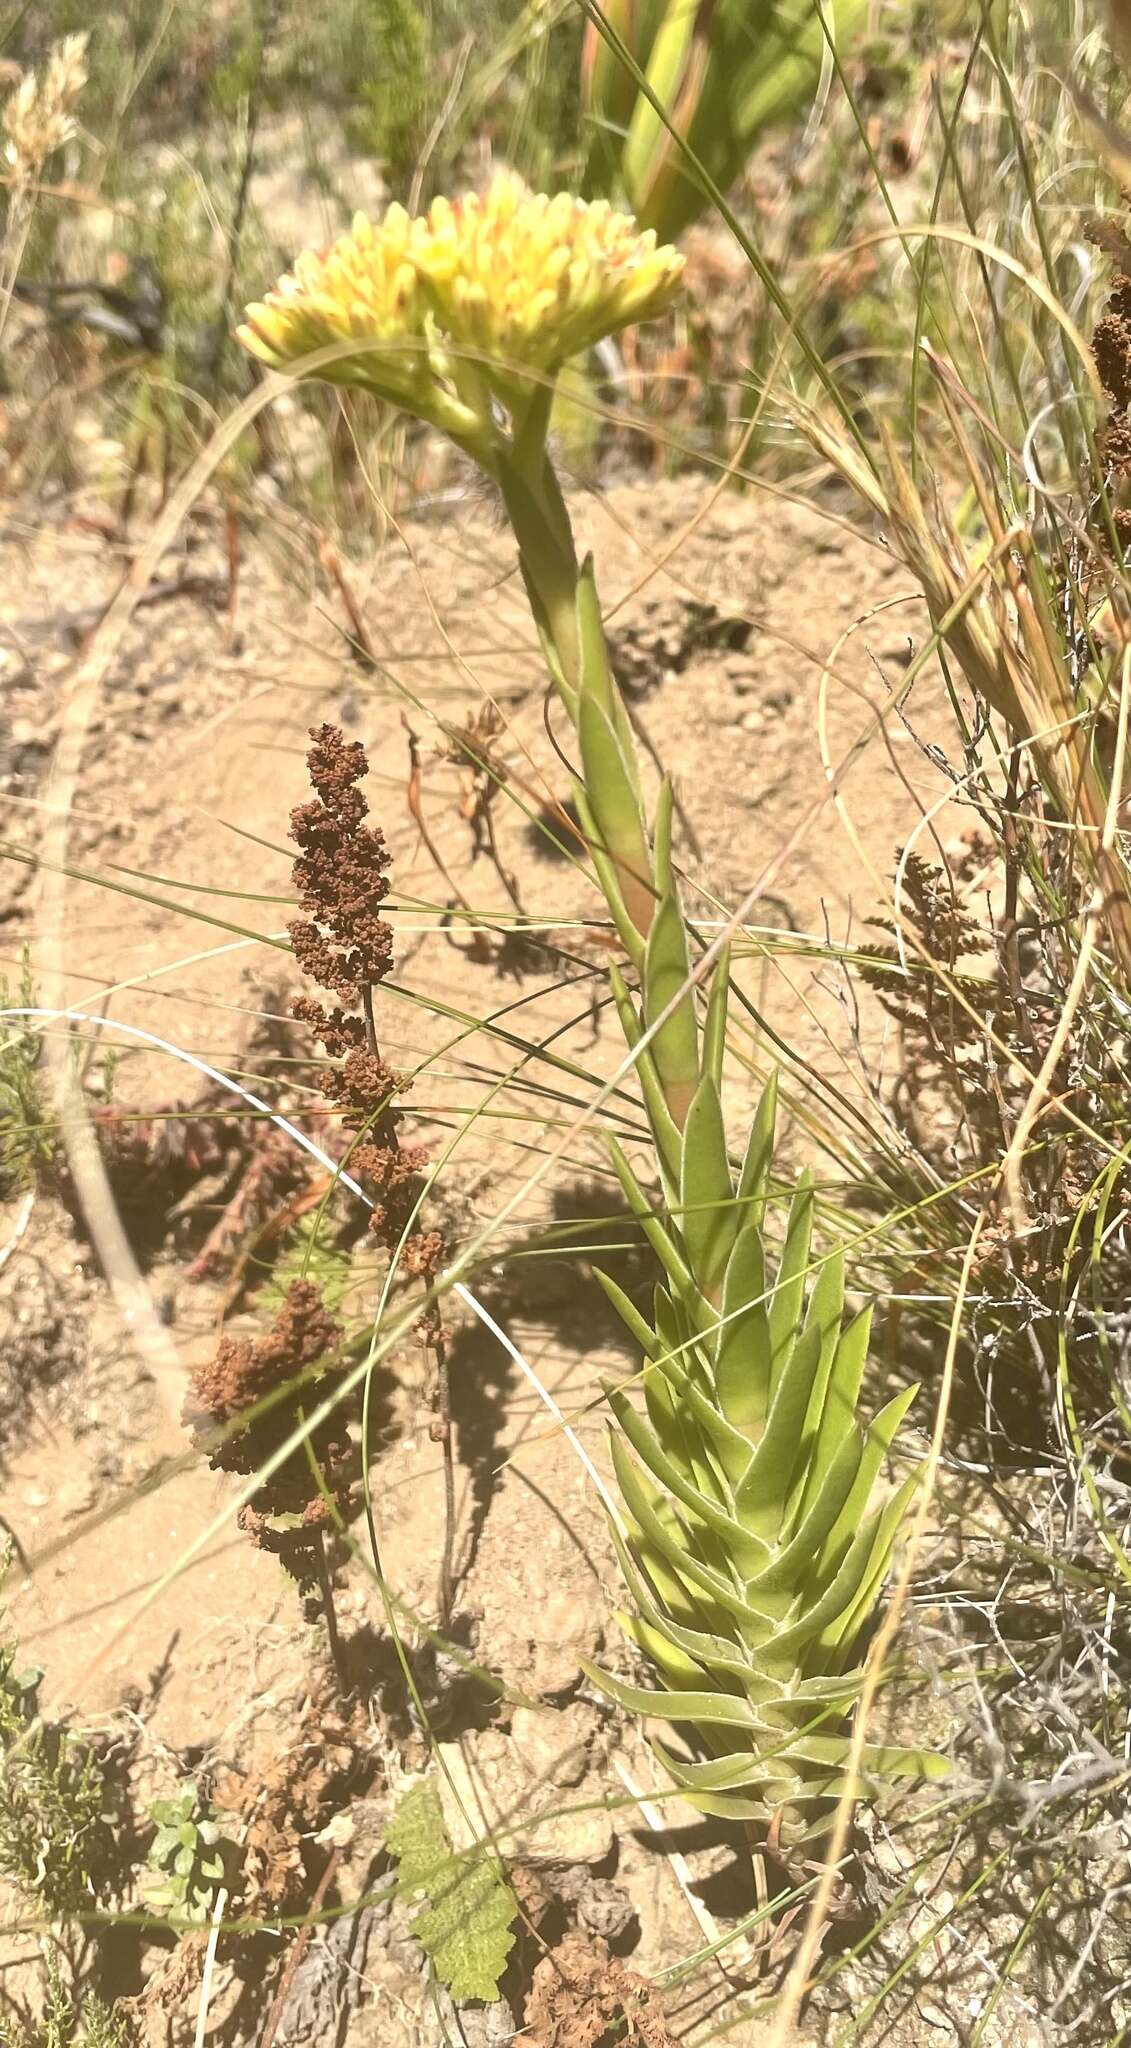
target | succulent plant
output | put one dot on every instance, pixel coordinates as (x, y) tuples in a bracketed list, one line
[(721, 73), (756, 1547)]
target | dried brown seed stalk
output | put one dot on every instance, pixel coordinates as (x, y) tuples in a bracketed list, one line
[(346, 946)]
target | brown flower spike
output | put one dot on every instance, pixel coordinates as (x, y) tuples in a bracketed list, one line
[(345, 945)]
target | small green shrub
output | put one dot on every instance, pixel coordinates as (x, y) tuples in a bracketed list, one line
[(394, 65), (56, 1841), (27, 1145), (90, 2023)]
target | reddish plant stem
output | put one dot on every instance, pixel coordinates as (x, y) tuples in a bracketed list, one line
[(298, 1950)]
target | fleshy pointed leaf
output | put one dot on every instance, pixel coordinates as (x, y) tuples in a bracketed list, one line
[(787, 1296), (748, 1552), (755, 1177), (839, 1637), (629, 1314), (877, 1444), (597, 680), (689, 1569), (675, 1047), (629, 932), (671, 1259), (611, 797), (760, 1500), (715, 1027), (708, 1215), (742, 1359), (669, 1141), (837, 1410)]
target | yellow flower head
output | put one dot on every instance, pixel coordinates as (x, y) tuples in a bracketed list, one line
[(530, 281), (452, 308), (363, 295)]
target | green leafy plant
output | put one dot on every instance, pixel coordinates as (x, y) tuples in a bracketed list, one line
[(466, 1925), (190, 1857), (394, 88), (722, 76), (56, 1840), (754, 1552)]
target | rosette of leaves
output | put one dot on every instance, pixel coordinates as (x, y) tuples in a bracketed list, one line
[(190, 1857), (755, 1552), (756, 1548)]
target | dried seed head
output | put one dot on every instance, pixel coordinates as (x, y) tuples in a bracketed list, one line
[(297, 1361), (39, 115)]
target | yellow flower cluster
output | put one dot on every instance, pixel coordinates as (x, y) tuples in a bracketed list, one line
[(531, 281), (361, 297), (467, 300)]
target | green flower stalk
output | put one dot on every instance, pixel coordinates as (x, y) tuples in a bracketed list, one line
[(753, 1548)]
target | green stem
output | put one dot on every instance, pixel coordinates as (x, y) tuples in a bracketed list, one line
[(548, 558)]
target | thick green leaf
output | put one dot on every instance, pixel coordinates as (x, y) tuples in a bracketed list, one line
[(682, 1362), (825, 1311), (838, 1411), (645, 1335), (742, 1359), (746, 1550), (787, 1649), (664, 1416), (738, 1771), (838, 1637), (788, 1293), (675, 1047), (631, 934), (669, 1141), (678, 1359), (671, 1259), (703, 1708), (715, 1027), (708, 1215), (714, 1652), (680, 1351), (597, 680), (610, 791), (669, 1660), (877, 1443), (795, 1561), (755, 1177), (689, 1569), (760, 1500), (663, 873)]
